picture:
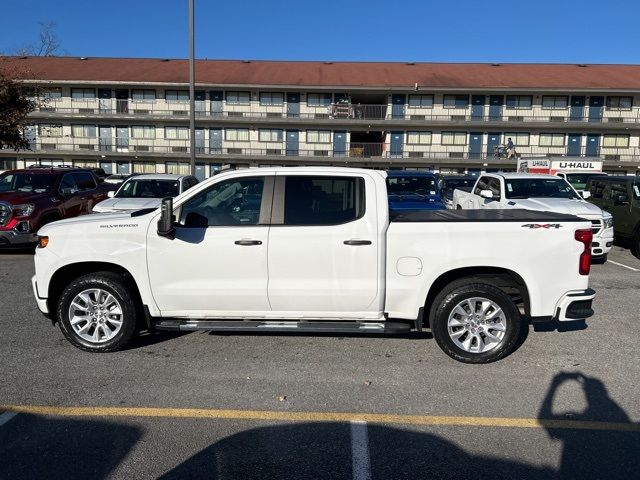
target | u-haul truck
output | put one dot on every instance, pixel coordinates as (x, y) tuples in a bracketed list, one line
[(576, 172)]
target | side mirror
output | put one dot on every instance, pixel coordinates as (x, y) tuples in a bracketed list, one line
[(586, 194), (486, 194), (165, 224), (111, 193)]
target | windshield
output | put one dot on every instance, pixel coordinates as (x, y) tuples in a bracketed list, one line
[(26, 182), (147, 188), (539, 188), (579, 180), (411, 185)]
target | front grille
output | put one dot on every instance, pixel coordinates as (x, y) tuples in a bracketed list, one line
[(5, 213), (596, 225)]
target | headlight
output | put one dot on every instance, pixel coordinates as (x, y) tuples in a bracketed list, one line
[(608, 222), (23, 210)]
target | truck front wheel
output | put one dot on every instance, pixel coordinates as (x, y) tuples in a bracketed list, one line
[(97, 313), (475, 323)]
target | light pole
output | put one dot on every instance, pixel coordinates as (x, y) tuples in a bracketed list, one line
[(192, 101)]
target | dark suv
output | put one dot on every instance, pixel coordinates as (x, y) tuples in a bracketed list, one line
[(619, 196), (33, 197)]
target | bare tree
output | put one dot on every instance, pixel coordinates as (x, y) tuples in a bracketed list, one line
[(48, 44)]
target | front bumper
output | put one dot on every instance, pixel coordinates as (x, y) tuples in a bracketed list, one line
[(41, 302), (602, 242), (11, 238), (575, 305)]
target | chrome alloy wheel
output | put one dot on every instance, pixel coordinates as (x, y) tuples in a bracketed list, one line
[(95, 315), (477, 325)]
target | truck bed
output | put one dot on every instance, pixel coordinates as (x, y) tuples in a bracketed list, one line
[(510, 215)]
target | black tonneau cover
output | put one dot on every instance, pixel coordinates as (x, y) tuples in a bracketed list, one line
[(507, 215)]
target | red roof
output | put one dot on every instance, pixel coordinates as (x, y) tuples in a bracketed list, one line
[(330, 74)]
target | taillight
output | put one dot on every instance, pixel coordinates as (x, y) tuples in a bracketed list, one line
[(585, 237)]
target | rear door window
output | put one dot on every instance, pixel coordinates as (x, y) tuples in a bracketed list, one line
[(323, 200), (84, 180)]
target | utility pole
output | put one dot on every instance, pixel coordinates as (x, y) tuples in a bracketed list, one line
[(192, 101)]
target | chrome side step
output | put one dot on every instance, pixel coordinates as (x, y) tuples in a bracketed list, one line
[(282, 326)]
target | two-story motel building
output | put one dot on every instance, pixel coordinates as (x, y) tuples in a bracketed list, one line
[(131, 115)]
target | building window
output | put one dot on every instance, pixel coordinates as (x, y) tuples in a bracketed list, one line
[(519, 139), (421, 101), (176, 95), (144, 167), (318, 99), (83, 131), (85, 164), (419, 138), (143, 131), (619, 103), (48, 130), (178, 168), (554, 102), (551, 140), (271, 98), (143, 95), (7, 163), (318, 136), (270, 135), (82, 93), (615, 141), (176, 133), (454, 138), (238, 98), (236, 134), (518, 101), (51, 93), (456, 101)]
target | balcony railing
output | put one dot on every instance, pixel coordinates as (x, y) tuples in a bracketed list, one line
[(213, 110), (134, 147)]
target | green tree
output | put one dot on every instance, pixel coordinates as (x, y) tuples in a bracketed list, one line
[(15, 105)]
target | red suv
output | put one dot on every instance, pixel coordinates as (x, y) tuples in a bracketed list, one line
[(33, 197)]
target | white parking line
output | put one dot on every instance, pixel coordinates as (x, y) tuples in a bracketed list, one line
[(624, 266), (360, 464), (6, 416)]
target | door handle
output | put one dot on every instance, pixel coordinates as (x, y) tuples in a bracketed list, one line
[(247, 243), (357, 242)]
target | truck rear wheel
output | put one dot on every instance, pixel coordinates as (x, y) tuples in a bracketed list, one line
[(475, 323), (97, 313)]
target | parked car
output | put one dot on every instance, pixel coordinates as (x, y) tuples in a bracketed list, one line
[(620, 196), (411, 191), (453, 182), (538, 192), (312, 249), (145, 191), (33, 197)]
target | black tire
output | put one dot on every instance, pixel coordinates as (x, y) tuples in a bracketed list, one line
[(600, 259), (457, 292), (112, 283), (635, 245)]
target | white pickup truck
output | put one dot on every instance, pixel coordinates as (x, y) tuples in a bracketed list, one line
[(312, 250), (548, 193)]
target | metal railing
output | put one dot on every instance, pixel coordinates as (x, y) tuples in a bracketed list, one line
[(336, 111), (96, 146)]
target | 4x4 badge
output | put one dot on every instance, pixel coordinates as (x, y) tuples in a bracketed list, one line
[(542, 225)]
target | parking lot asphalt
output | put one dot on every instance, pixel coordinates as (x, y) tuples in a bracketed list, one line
[(200, 405)]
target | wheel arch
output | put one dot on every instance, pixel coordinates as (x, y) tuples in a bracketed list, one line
[(61, 278), (506, 280)]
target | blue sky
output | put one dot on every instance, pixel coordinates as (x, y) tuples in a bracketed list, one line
[(445, 31)]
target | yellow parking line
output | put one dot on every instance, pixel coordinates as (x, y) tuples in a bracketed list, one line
[(265, 415)]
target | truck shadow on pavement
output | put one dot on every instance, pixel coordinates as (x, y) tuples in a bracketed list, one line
[(39, 447)]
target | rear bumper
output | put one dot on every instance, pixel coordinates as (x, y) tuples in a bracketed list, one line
[(11, 238), (575, 305), (41, 302)]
